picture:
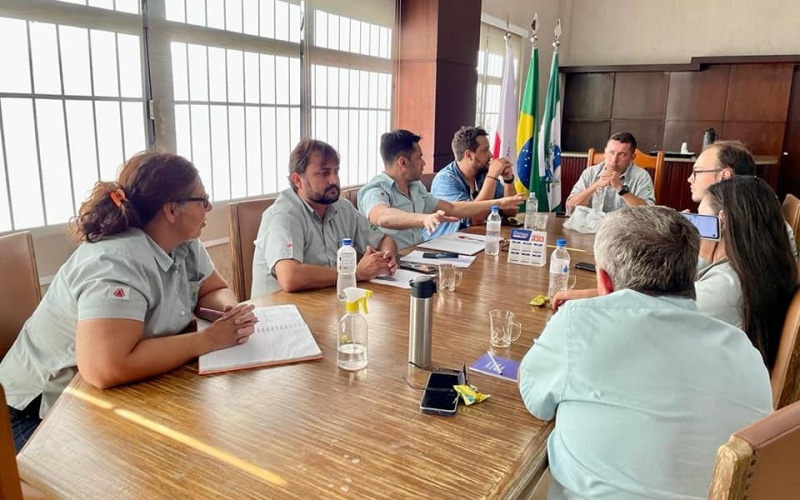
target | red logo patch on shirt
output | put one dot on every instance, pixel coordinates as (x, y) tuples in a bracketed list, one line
[(119, 292)]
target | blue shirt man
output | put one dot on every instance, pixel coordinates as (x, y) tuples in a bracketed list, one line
[(644, 387), (473, 176)]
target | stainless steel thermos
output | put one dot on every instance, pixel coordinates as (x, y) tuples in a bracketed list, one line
[(420, 320)]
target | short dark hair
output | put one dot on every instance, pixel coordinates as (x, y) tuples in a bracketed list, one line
[(624, 138), (466, 139), (301, 156), (735, 155), (397, 143)]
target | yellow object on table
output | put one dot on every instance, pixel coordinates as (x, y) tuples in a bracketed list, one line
[(539, 301), (470, 394)]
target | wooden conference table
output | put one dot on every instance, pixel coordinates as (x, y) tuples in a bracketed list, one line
[(311, 430)]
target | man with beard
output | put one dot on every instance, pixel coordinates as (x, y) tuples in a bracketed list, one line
[(301, 232), (399, 204), (472, 176), (624, 184)]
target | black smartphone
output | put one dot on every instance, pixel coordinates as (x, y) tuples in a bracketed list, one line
[(586, 266), (439, 397), (440, 255), (420, 268), (707, 225), (562, 215)]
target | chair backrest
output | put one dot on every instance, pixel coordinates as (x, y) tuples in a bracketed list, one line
[(648, 162), (352, 195), (761, 461), (21, 295), (10, 488), (244, 218), (791, 212), (786, 372), (427, 180)]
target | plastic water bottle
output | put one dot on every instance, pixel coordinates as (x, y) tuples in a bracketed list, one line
[(598, 200), (346, 268), (493, 232), (559, 268), (531, 208)]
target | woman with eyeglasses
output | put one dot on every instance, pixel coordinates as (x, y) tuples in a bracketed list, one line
[(752, 275), (114, 309)]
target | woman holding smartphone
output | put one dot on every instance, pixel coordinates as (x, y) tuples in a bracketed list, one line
[(114, 308), (752, 275)]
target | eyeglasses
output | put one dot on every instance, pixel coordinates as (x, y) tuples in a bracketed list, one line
[(204, 199), (695, 172)]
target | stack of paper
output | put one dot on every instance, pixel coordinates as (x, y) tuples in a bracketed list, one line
[(460, 243), (281, 337)]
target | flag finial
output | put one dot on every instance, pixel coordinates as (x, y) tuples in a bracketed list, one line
[(557, 33), (534, 28)]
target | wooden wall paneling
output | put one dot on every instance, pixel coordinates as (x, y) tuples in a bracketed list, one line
[(698, 95), (455, 106), (590, 96), (649, 133), (763, 138), (571, 169), (759, 92), (640, 96), (437, 75), (691, 132), (789, 179), (675, 190), (581, 135)]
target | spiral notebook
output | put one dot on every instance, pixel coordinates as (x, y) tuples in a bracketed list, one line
[(281, 337)]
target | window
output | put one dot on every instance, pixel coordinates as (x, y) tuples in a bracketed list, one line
[(351, 82), (491, 61), (230, 84), (71, 110)]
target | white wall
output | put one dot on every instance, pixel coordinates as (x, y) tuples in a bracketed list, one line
[(673, 31)]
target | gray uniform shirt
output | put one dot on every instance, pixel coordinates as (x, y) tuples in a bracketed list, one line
[(291, 229), (127, 276), (636, 178), (719, 292), (382, 190)]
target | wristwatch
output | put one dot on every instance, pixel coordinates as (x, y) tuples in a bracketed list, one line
[(509, 181), (624, 190)]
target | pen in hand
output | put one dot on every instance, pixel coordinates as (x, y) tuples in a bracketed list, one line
[(494, 363)]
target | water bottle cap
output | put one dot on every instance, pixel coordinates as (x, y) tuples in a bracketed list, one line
[(495, 208), (561, 242), (347, 242), (423, 287)]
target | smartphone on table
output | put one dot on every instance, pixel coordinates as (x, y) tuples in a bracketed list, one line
[(586, 266), (420, 268), (439, 397), (707, 225)]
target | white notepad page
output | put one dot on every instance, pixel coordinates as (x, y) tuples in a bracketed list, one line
[(281, 336)]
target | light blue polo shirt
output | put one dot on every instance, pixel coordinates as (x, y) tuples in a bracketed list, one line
[(127, 276), (382, 190), (644, 390), (636, 178), (449, 184)]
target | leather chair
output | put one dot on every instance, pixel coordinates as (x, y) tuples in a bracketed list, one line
[(791, 212), (244, 218), (352, 195), (21, 294), (786, 372), (11, 488), (427, 180), (647, 162), (761, 461)]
